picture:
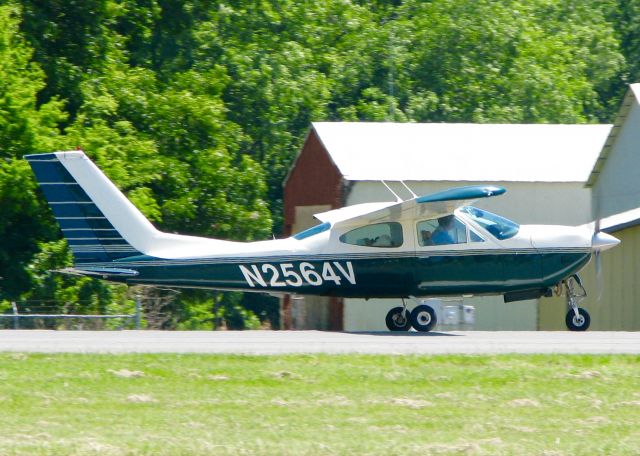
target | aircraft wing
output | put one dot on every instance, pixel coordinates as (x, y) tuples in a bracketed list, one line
[(345, 213), (428, 206)]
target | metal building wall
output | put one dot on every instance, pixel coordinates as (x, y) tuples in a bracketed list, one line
[(618, 308), (616, 183)]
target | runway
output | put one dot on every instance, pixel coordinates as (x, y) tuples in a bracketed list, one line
[(289, 342)]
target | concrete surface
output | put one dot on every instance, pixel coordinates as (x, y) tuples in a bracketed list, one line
[(284, 342)]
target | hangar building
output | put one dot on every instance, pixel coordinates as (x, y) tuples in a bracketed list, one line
[(613, 299), (543, 167)]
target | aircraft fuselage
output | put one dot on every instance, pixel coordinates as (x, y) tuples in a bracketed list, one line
[(319, 265), (399, 276)]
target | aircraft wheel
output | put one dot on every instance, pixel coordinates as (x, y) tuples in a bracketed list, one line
[(579, 322), (398, 319), (423, 318)]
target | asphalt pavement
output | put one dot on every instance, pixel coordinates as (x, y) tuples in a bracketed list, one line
[(286, 342)]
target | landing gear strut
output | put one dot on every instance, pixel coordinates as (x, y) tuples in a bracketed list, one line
[(422, 318), (577, 318)]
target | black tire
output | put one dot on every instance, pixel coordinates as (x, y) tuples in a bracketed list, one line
[(398, 319), (423, 318), (580, 323)]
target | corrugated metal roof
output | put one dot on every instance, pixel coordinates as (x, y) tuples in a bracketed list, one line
[(631, 97), (620, 221), (616, 222), (462, 152)]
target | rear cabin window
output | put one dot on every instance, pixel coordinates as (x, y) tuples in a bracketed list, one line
[(377, 235)]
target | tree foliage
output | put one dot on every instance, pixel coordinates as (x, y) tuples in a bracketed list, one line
[(196, 109), (26, 126)]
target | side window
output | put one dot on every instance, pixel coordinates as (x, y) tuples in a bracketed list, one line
[(442, 231), (378, 235), (474, 237)]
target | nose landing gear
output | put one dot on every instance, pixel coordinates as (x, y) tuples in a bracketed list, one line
[(577, 318), (422, 318)]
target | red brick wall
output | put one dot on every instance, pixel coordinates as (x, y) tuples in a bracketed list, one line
[(314, 180)]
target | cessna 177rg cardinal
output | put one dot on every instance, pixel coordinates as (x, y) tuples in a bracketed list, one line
[(433, 245)]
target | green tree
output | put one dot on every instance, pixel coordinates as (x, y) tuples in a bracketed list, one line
[(25, 127), (68, 40), (625, 17), (510, 61)]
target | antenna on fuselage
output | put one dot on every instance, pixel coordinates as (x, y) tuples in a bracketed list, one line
[(398, 199)]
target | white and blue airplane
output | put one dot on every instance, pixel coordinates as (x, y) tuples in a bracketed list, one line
[(433, 245)]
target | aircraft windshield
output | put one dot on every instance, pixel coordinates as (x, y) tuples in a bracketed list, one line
[(499, 227)]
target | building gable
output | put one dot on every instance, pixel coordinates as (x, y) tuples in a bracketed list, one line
[(314, 180), (615, 178)]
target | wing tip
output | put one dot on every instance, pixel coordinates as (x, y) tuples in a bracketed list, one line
[(463, 193)]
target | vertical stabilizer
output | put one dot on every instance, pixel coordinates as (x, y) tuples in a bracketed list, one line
[(97, 220)]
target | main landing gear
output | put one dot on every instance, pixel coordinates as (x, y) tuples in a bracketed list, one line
[(577, 318), (422, 318)]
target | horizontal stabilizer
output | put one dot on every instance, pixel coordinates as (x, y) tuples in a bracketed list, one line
[(111, 272)]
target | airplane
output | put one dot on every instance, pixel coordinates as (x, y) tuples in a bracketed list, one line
[(428, 246)]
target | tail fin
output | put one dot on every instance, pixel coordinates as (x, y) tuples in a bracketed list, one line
[(97, 220)]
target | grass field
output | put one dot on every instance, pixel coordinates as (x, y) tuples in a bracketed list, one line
[(325, 405)]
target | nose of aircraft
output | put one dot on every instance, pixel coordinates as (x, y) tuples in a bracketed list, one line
[(551, 236), (603, 241)]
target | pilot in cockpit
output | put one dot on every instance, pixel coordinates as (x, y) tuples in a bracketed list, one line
[(426, 237), (442, 235)]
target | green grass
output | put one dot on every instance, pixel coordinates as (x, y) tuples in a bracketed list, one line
[(320, 405)]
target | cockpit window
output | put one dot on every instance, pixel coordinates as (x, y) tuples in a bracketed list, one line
[(442, 231), (377, 235), (312, 231), (498, 226)]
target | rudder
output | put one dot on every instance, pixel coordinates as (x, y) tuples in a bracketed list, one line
[(89, 233)]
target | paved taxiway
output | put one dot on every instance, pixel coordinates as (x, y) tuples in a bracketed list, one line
[(283, 342)]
